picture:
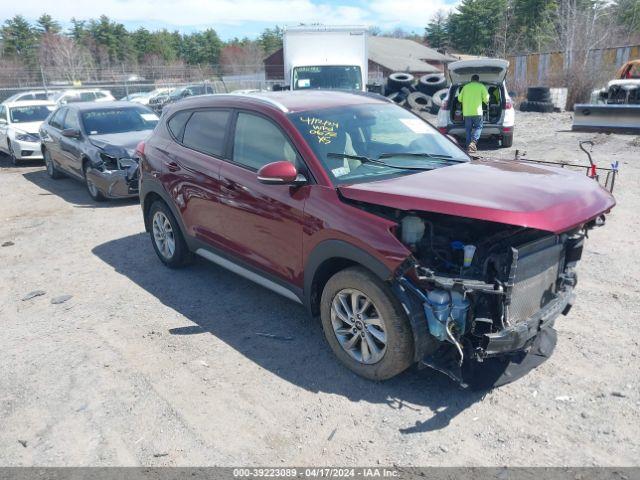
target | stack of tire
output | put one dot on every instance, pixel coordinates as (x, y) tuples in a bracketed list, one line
[(426, 94), (538, 100)]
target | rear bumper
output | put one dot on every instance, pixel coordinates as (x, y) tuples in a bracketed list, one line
[(114, 183), (517, 337), (487, 131)]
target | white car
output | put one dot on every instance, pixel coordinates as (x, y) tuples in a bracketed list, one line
[(499, 115), (19, 126), (83, 95), (31, 95)]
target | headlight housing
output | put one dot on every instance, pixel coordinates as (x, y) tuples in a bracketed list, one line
[(109, 162), (27, 137)]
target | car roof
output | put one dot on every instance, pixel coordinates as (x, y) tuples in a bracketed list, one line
[(85, 106), (28, 103), (289, 101)]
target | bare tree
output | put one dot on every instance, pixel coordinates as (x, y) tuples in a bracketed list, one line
[(242, 59), (64, 58), (582, 30)]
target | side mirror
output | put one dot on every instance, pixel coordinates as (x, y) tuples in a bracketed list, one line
[(71, 133), (280, 173)]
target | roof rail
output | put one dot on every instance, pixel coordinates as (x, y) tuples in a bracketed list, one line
[(257, 96)]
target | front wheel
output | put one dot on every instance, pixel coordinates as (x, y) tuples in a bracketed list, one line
[(92, 188), (365, 325), (12, 154)]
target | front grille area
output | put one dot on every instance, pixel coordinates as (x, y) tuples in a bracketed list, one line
[(534, 275)]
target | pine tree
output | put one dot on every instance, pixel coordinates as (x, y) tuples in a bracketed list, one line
[(437, 32)]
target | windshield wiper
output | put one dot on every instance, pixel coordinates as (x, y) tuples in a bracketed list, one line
[(424, 155), (364, 159)]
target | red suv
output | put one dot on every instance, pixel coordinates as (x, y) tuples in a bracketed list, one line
[(407, 249)]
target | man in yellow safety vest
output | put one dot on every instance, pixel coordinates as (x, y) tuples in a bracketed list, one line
[(472, 96)]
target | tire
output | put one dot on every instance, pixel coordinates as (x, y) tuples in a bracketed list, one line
[(439, 97), (394, 354), (175, 257), (540, 107), (507, 141), (12, 154), (50, 165), (398, 80), (538, 94), (431, 83), (419, 101), (399, 97), (92, 188)]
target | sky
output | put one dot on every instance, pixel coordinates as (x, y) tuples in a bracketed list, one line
[(236, 18)]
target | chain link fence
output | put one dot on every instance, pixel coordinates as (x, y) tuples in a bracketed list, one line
[(123, 81)]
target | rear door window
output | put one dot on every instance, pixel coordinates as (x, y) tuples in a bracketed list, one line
[(87, 96), (206, 131)]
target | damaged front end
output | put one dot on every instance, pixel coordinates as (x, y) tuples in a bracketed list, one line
[(116, 173), (483, 289)]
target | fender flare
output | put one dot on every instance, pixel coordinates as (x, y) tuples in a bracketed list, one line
[(151, 185), (339, 249)]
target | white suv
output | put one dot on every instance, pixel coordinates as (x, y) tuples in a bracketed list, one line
[(499, 115)]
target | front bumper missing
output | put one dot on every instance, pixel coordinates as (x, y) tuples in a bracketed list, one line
[(511, 340), (517, 337), (115, 183)]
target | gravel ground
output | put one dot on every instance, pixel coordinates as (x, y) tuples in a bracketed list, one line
[(147, 366)]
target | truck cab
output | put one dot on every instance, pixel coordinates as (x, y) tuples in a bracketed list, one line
[(326, 57)]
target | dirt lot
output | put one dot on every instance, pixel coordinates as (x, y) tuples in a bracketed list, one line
[(147, 366)]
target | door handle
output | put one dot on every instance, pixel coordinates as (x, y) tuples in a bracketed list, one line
[(172, 166)]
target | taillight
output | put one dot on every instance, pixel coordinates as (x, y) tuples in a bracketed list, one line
[(140, 148), (442, 130), (508, 105), (506, 129)]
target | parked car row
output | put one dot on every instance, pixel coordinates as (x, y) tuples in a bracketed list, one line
[(407, 249)]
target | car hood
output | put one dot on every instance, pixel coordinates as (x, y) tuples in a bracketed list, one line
[(28, 127), (510, 192), (117, 143), (632, 82)]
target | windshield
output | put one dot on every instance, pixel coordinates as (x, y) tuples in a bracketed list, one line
[(389, 140), (34, 113), (118, 120), (327, 76)]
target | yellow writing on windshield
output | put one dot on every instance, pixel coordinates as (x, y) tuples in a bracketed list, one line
[(323, 130)]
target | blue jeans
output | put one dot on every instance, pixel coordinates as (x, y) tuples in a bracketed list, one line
[(473, 128)]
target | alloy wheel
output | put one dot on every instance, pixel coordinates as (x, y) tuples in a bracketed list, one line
[(358, 326), (93, 189), (163, 235)]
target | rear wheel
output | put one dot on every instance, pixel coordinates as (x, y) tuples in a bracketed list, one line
[(365, 326), (52, 170), (166, 236), (507, 141)]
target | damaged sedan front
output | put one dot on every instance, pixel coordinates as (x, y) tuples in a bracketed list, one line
[(95, 143)]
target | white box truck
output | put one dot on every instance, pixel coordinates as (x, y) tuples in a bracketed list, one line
[(332, 57)]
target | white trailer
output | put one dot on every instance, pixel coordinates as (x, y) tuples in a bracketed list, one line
[(333, 57)]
